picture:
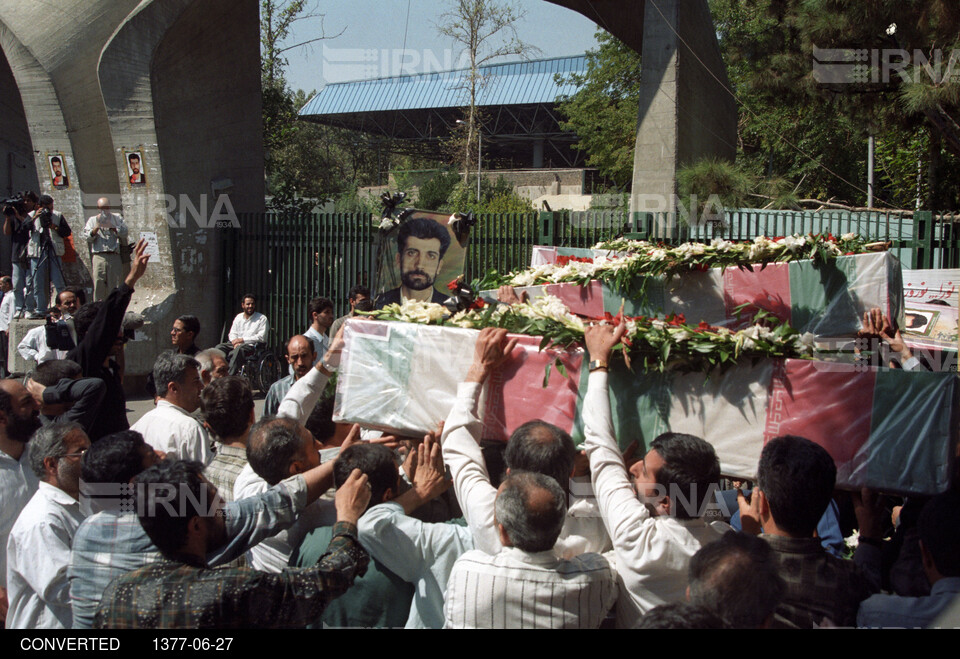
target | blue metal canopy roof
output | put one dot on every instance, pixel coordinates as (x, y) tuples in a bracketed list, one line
[(514, 83)]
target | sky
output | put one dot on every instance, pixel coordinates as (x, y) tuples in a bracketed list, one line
[(370, 39)]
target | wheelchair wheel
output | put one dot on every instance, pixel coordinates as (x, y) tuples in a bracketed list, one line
[(269, 371), (248, 371)]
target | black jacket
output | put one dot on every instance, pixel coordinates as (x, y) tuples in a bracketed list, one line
[(92, 352)]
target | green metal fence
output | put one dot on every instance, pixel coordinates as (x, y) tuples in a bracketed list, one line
[(287, 259)]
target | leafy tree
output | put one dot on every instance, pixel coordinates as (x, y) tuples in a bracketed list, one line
[(434, 193), (795, 124), (603, 113), (485, 29)]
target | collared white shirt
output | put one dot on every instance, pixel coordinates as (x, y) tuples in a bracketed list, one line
[(583, 530), (171, 429), (252, 330), (273, 554), (17, 485), (7, 309), (652, 552), (106, 241), (529, 590), (419, 553), (33, 347), (321, 342), (38, 554)]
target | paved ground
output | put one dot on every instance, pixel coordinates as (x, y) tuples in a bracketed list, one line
[(136, 408)]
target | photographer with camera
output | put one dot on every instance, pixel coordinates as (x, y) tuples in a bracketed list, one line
[(44, 251), (16, 224), (105, 233)]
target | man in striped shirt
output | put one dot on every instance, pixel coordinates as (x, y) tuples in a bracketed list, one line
[(525, 585)]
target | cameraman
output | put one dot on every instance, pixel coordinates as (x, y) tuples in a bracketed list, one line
[(44, 251), (17, 226)]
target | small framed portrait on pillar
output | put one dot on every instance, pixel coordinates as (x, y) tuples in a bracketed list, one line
[(59, 177), (135, 167)]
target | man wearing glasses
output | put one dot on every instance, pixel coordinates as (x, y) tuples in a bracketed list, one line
[(38, 551)]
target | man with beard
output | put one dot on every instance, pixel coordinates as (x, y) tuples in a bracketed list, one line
[(19, 418), (38, 552), (421, 244), (301, 357)]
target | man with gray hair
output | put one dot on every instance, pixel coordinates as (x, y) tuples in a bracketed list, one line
[(169, 427), (105, 233), (38, 550), (213, 365), (525, 585)]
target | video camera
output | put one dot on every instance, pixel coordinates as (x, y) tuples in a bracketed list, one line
[(58, 333), (15, 200)]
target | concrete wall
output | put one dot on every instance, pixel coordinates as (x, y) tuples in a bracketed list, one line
[(206, 143), (684, 113), (99, 78), (16, 152)]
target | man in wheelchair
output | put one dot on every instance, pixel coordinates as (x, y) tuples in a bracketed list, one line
[(247, 335)]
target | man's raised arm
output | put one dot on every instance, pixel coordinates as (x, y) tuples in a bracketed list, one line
[(461, 441), (619, 506)]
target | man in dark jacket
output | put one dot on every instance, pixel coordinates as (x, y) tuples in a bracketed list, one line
[(100, 337)]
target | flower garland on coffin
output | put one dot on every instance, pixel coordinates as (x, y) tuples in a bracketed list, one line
[(826, 298), (628, 260), (653, 344)]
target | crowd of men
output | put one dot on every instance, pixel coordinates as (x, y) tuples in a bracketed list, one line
[(202, 515)]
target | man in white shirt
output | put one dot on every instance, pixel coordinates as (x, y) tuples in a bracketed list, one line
[(654, 517), (38, 551), (526, 586), (420, 553), (8, 306), (7, 309), (33, 347), (278, 448), (169, 427), (535, 446), (320, 311), (249, 328), (19, 418), (105, 233)]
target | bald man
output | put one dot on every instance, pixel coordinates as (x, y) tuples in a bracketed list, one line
[(105, 232), (301, 356)]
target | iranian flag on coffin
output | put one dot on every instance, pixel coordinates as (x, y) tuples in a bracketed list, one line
[(886, 429), (403, 378), (827, 300)]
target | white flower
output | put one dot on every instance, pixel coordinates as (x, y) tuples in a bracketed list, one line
[(848, 236), (680, 335), (656, 323), (658, 255), (853, 541), (749, 344), (891, 29), (793, 243), (721, 245), (387, 223)]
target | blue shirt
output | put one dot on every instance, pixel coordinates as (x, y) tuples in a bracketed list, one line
[(899, 611), (111, 543)]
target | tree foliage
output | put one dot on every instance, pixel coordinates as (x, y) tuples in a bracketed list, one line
[(799, 138), (306, 163), (603, 113)]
